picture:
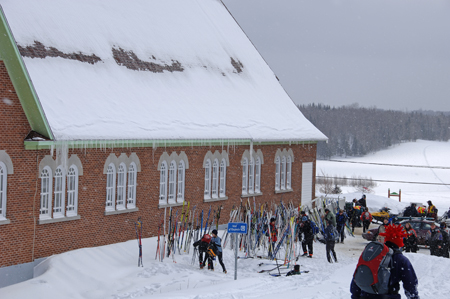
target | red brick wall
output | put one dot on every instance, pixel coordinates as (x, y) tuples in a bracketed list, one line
[(94, 228)]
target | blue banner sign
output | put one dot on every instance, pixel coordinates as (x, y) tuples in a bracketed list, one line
[(237, 228)]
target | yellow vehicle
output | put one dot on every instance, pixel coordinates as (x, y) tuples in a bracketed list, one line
[(383, 213)]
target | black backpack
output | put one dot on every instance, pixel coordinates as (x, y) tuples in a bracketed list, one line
[(374, 269)]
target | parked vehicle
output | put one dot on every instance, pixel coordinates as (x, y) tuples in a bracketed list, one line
[(421, 226)]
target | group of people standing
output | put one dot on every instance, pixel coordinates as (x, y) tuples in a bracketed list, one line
[(210, 247)]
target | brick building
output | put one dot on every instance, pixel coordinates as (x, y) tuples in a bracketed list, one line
[(110, 113)]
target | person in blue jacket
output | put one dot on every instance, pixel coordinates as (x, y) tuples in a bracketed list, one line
[(341, 219), (401, 270), (330, 234), (217, 242)]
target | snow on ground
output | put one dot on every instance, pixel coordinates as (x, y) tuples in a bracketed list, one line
[(419, 153), (111, 271)]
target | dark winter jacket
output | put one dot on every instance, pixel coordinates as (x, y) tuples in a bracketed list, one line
[(273, 233), (307, 230), (402, 271), (435, 240), (340, 220), (330, 234), (362, 202), (410, 241), (411, 212)]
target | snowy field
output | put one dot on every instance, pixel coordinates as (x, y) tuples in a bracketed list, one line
[(420, 153), (111, 271)]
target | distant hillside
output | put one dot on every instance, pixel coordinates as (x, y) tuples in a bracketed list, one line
[(355, 131)]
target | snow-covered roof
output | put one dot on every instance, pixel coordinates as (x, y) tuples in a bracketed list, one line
[(150, 69)]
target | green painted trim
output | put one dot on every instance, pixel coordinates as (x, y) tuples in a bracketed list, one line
[(38, 145), (21, 80)]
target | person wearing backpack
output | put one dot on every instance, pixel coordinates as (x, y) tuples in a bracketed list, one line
[(203, 244), (215, 240), (411, 240), (387, 260), (435, 240), (341, 219), (366, 219), (306, 228), (330, 234)]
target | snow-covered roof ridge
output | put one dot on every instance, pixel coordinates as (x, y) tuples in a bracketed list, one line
[(150, 69)]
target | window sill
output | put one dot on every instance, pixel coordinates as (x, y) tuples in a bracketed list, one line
[(168, 205), (121, 211), (215, 199), (4, 221), (61, 219), (251, 194), (283, 191)]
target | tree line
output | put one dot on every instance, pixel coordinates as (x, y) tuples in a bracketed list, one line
[(356, 131)]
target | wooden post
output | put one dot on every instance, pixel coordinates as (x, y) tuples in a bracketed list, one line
[(399, 194)]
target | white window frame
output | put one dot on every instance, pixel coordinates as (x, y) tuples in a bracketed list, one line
[(110, 188), (215, 179), (208, 167), (131, 190), (223, 178), (59, 192), (181, 181), (245, 176), (251, 176), (163, 175), (258, 175), (289, 173), (45, 211), (3, 186), (121, 186), (72, 191), (277, 173), (172, 182), (283, 174)]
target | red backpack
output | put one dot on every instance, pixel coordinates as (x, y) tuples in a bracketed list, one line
[(374, 269), (206, 238)]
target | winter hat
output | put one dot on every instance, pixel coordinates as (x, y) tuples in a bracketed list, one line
[(394, 234), (304, 218), (214, 232), (327, 210)]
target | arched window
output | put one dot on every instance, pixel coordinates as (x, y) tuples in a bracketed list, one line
[(58, 207), (110, 187), (208, 179), (251, 176), (163, 183), (223, 178), (72, 191), (3, 181), (46, 193), (258, 175), (132, 174), (288, 173), (244, 176), (283, 173), (277, 173), (181, 179), (172, 181), (215, 179), (121, 185)]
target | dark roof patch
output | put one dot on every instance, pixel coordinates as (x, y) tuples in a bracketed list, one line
[(38, 50), (130, 60)]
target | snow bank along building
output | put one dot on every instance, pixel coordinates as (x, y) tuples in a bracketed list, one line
[(110, 111)]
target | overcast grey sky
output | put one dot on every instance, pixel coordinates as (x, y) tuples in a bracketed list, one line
[(392, 54)]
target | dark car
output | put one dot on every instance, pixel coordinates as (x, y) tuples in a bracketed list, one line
[(421, 226)]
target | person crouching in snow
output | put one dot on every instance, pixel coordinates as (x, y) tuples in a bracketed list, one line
[(203, 244), (400, 269), (217, 242)]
